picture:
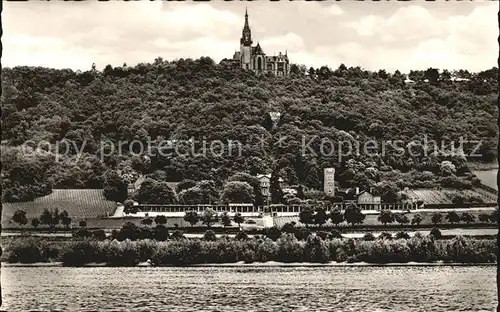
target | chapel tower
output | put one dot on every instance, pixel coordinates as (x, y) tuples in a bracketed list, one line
[(246, 45)]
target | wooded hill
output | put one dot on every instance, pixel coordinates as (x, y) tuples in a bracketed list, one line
[(200, 99)]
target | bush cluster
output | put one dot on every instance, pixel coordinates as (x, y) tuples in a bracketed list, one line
[(287, 248)]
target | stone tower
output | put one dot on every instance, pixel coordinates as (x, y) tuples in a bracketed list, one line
[(246, 45)]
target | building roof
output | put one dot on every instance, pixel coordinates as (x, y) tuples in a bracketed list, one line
[(257, 49), (79, 203), (373, 194)]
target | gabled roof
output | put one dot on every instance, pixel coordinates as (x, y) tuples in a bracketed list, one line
[(257, 49), (374, 194)]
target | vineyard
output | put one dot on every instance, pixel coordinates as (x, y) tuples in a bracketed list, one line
[(444, 197), (433, 197), (79, 203)]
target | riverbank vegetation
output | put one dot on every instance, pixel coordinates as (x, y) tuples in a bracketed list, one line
[(320, 248)]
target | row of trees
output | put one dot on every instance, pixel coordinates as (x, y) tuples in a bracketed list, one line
[(49, 218), (240, 188)]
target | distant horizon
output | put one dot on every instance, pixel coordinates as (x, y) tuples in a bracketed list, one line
[(383, 35), (100, 69)]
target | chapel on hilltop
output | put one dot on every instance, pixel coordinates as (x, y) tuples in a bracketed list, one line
[(253, 57)]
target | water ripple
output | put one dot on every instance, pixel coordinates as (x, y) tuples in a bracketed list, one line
[(204, 289)]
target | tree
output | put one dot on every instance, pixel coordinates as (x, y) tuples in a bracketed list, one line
[(336, 216), (35, 222), (306, 216), (204, 192), (320, 216), (432, 75), (20, 217), (436, 218), (209, 217), (417, 219), (147, 221), (160, 220), (238, 218), (129, 207), (225, 219), (385, 216), (191, 217), (436, 233), (184, 185), (50, 218), (209, 236), (353, 215), (300, 192), (114, 187), (65, 219), (238, 192), (452, 217), (467, 217), (401, 219), (254, 182), (82, 224), (484, 217), (494, 216), (154, 192)]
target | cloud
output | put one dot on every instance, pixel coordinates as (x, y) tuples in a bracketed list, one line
[(335, 10), (392, 36)]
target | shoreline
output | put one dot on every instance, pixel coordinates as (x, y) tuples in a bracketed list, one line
[(254, 264)]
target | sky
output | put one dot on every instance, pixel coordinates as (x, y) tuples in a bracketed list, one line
[(373, 35)]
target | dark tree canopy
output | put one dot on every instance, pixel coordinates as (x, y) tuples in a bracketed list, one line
[(199, 99)]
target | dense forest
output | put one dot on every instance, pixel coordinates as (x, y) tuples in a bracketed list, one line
[(200, 99)]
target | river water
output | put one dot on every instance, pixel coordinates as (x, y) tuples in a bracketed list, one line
[(246, 289)]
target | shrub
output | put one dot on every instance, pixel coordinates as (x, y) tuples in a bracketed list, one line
[(242, 235), (385, 235), (303, 233), (99, 235), (273, 233), (436, 233), (335, 234), (114, 234), (316, 250), (369, 237), (290, 249), (248, 256), (82, 233), (347, 250), (422, 248), (209, 236), (27, 250), (323, 235), (177, 235), (125, 253), (146, 249), (402, 235), (80, 253), (129, 231), (333, 247), (290, 228), (160, 233), (267, 251)]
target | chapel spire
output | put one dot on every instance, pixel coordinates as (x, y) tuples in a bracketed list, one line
[(246, 36)]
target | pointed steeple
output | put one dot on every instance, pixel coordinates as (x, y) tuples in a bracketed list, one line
[(246, 36)]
